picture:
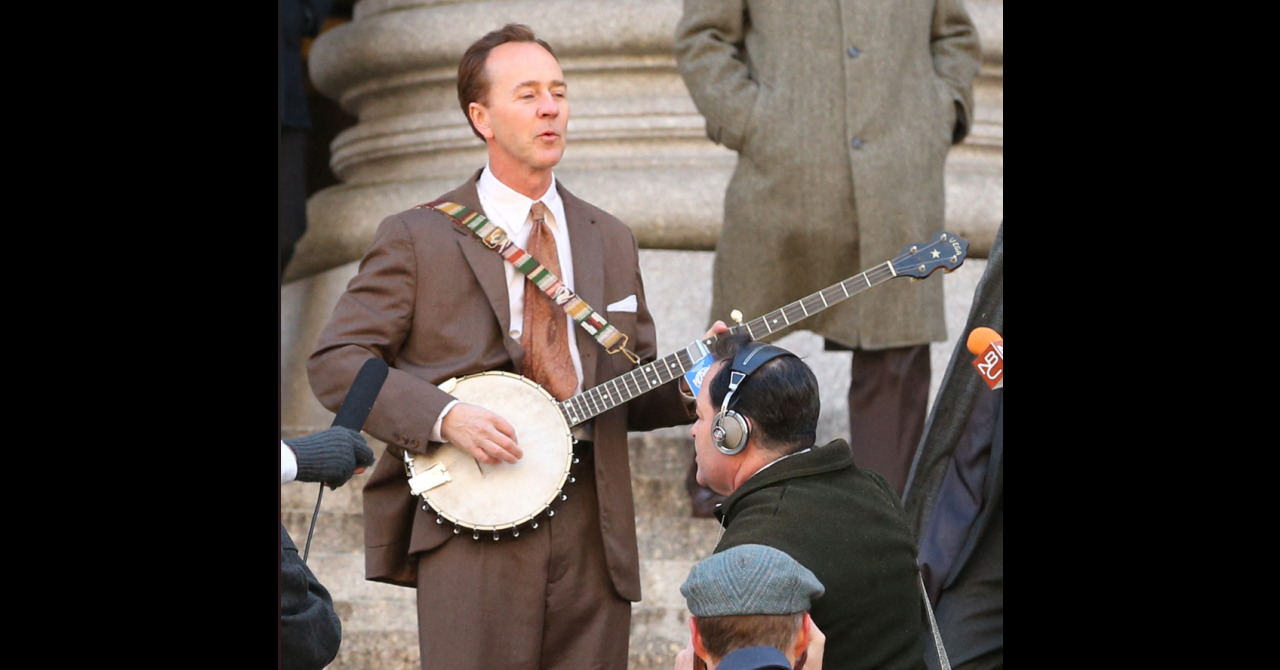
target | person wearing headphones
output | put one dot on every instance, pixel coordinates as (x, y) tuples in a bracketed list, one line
[(755, 442)]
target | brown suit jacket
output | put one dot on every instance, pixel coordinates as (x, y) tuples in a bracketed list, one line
[(431, 300)]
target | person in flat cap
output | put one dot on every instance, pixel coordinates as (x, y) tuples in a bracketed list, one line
[(750, 609)]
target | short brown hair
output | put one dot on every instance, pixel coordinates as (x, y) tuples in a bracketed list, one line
[(723, 635), (473, 85)]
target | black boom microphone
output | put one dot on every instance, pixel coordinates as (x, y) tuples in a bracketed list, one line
[(364, 390), (353, 413)]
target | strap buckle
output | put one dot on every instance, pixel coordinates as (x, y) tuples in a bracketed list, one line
[(621, 346), (495, 238)]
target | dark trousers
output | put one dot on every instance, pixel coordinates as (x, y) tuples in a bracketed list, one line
[(888, 394), (543, 601)]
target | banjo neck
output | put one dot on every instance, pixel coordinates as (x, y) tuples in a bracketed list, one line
[(917, 261)]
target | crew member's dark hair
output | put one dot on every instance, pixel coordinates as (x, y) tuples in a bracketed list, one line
[(473, 84), (780, 398)]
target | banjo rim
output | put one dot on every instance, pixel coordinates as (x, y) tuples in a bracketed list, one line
[(545, 508)]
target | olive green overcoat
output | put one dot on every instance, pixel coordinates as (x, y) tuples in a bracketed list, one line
[(842, 113)]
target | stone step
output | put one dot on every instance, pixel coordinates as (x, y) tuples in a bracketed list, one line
[(676, 538), (301, 496), (343, 575), (661, 497), (661, 455), (388, 615), (377, 650), (654, 644), (657, 635), (336, 532)]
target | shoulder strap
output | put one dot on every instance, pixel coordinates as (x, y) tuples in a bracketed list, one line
[(496, 238)]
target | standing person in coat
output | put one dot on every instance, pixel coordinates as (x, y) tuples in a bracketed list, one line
[(955, 497), (842, 113), (756, 445), (433, 302)]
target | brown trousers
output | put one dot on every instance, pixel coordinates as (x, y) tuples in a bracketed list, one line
[(888, 394), (543, 601)]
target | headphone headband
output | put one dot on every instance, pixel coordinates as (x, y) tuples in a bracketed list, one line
[(730, 430)]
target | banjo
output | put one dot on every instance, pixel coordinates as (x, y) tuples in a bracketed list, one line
[(493, 499)]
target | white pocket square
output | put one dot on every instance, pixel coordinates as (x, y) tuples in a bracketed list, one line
[(627, 304)]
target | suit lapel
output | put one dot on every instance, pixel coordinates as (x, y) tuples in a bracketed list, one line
[(588, 275), (489, 269)]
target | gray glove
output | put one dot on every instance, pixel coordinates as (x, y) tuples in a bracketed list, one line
[(331, 455)]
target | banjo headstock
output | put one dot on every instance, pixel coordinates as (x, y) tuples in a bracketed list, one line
[(946, 252)]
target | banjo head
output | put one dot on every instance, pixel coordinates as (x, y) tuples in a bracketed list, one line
[(497, 497)]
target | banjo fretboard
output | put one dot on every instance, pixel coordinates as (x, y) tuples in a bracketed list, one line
[(606, 396)]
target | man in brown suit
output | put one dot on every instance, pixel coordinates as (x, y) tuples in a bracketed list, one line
[(435, 303), (842, 113)]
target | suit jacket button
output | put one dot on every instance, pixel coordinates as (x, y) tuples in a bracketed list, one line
[(413, 442), (856, 143), (853, 52)]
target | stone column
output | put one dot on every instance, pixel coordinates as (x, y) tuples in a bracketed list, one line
[(637, 144), (638, 149)]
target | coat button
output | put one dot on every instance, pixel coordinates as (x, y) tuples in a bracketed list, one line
[(856, 143), (853, 52), (413, 442), (396, 435)]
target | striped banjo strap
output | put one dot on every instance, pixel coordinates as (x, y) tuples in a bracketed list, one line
[(496, 238)]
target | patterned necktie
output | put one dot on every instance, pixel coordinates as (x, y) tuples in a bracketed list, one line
[(545, 337)]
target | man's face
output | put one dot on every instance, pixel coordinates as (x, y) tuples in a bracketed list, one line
[(527, 108), (715, 470)]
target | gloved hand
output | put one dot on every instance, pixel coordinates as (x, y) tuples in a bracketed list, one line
[(331, 455)]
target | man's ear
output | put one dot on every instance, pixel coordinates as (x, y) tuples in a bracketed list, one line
[(802, 638), (698, 648), (480, 118)]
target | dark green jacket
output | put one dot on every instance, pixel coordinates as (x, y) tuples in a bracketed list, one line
[(846, 525)]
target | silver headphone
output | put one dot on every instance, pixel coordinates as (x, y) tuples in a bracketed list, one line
[(730, 430)]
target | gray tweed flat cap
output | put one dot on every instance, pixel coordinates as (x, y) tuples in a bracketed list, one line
[(750, 579)]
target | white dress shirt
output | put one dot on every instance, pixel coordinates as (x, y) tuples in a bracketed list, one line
[(509, 210), (288, 464)]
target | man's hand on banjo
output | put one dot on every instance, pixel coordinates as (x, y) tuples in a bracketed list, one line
[(488, 437)]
